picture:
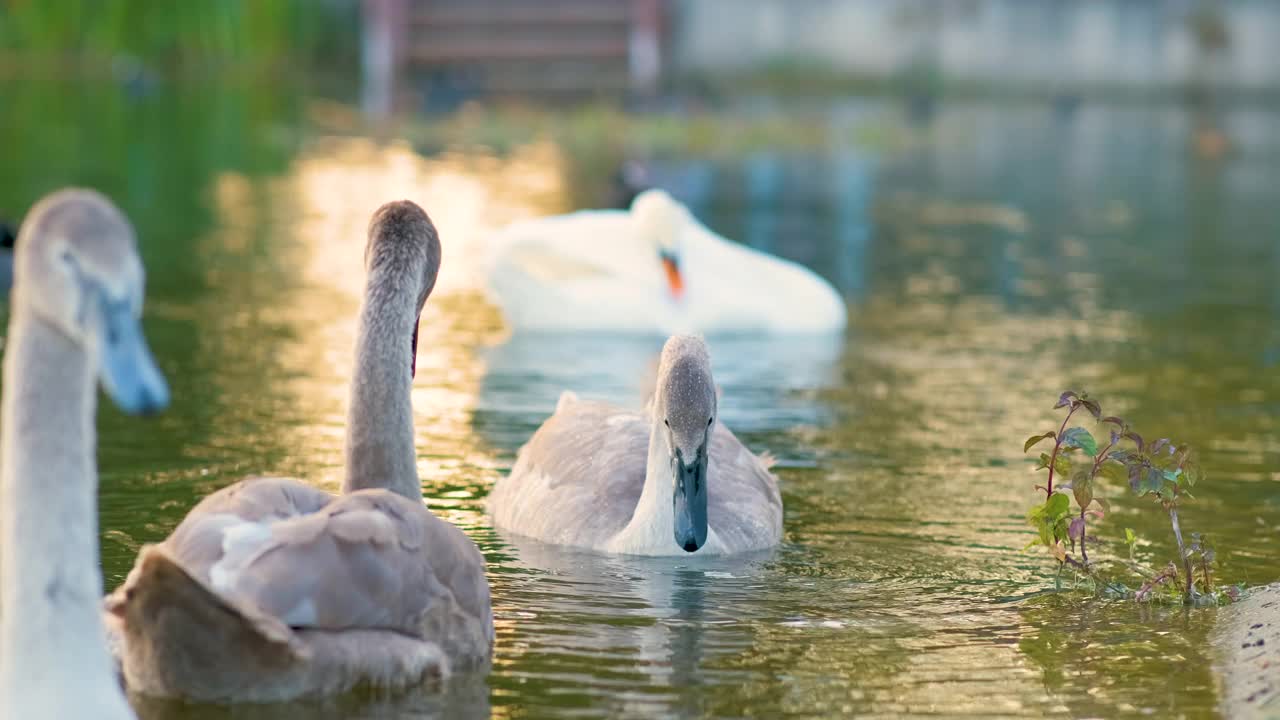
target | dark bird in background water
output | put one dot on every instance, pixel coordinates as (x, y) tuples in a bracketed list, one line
[(7, 235), (630, 179)]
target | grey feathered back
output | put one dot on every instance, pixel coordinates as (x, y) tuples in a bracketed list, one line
[(578, 480)]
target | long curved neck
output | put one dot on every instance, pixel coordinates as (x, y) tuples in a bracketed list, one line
[(50, 583), (380, 450), (653, 523)]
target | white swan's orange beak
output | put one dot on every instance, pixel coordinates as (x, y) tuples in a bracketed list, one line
[(675, 282)]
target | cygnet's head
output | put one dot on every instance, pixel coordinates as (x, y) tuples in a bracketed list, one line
[(403, 256), (659, 219), (76, 268), (685, 399)]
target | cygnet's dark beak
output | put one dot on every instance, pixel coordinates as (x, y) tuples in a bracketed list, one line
[(690, 501)]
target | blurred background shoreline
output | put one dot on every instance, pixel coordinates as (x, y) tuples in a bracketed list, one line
[(435, 51)]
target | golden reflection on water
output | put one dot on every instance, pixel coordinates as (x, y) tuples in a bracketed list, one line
[(287, 261)]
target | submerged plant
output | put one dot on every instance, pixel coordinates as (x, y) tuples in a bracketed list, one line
[(1161, 470)]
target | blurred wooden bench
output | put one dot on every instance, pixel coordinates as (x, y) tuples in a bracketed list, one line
[(534, 46)]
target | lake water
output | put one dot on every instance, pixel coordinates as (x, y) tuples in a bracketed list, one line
[(992, 256)]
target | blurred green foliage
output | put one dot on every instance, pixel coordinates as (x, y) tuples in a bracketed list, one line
[(165, 155), (157, 154), (249, 32)]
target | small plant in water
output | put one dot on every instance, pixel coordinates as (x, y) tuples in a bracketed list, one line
[(1161, 470)]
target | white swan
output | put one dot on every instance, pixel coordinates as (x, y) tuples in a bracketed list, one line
[(653, 269), (668, 481), (74, 318), (271, 589)]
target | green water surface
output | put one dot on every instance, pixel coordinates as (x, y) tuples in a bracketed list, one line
[(993, 257)]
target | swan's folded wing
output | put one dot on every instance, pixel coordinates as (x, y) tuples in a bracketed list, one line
[(253, 504), (742, 494), (370, 559), (552, 267), (578, 479), (574, 234)]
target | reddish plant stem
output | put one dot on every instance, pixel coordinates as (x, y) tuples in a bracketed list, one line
[(1057, 443), (1099, 459), (1093, 474), (1075, 563), (1084, 533), (1164, 576)]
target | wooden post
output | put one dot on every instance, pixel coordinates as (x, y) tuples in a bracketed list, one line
[(645, 48), (381, 51)]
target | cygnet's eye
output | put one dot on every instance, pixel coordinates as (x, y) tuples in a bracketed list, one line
[(710, 420), (667, 423), (77, 285)]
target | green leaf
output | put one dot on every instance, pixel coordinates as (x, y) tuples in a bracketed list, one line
[(1114, 470), (1062, 528), (1152, 480), (1061, 465), (1051, 519), (1057, 505), (1078, 437), (1129, 537), (1082, 488), (1193, 471), (1036, 517), (1035, 439)]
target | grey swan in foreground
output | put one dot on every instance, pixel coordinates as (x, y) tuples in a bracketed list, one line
[(74, 320), (271, 589), (667, 481)]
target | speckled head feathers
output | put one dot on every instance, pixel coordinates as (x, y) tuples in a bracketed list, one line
[(686, 392), (401, 235)]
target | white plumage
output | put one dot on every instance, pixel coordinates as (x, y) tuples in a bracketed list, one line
[(652, 269)]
